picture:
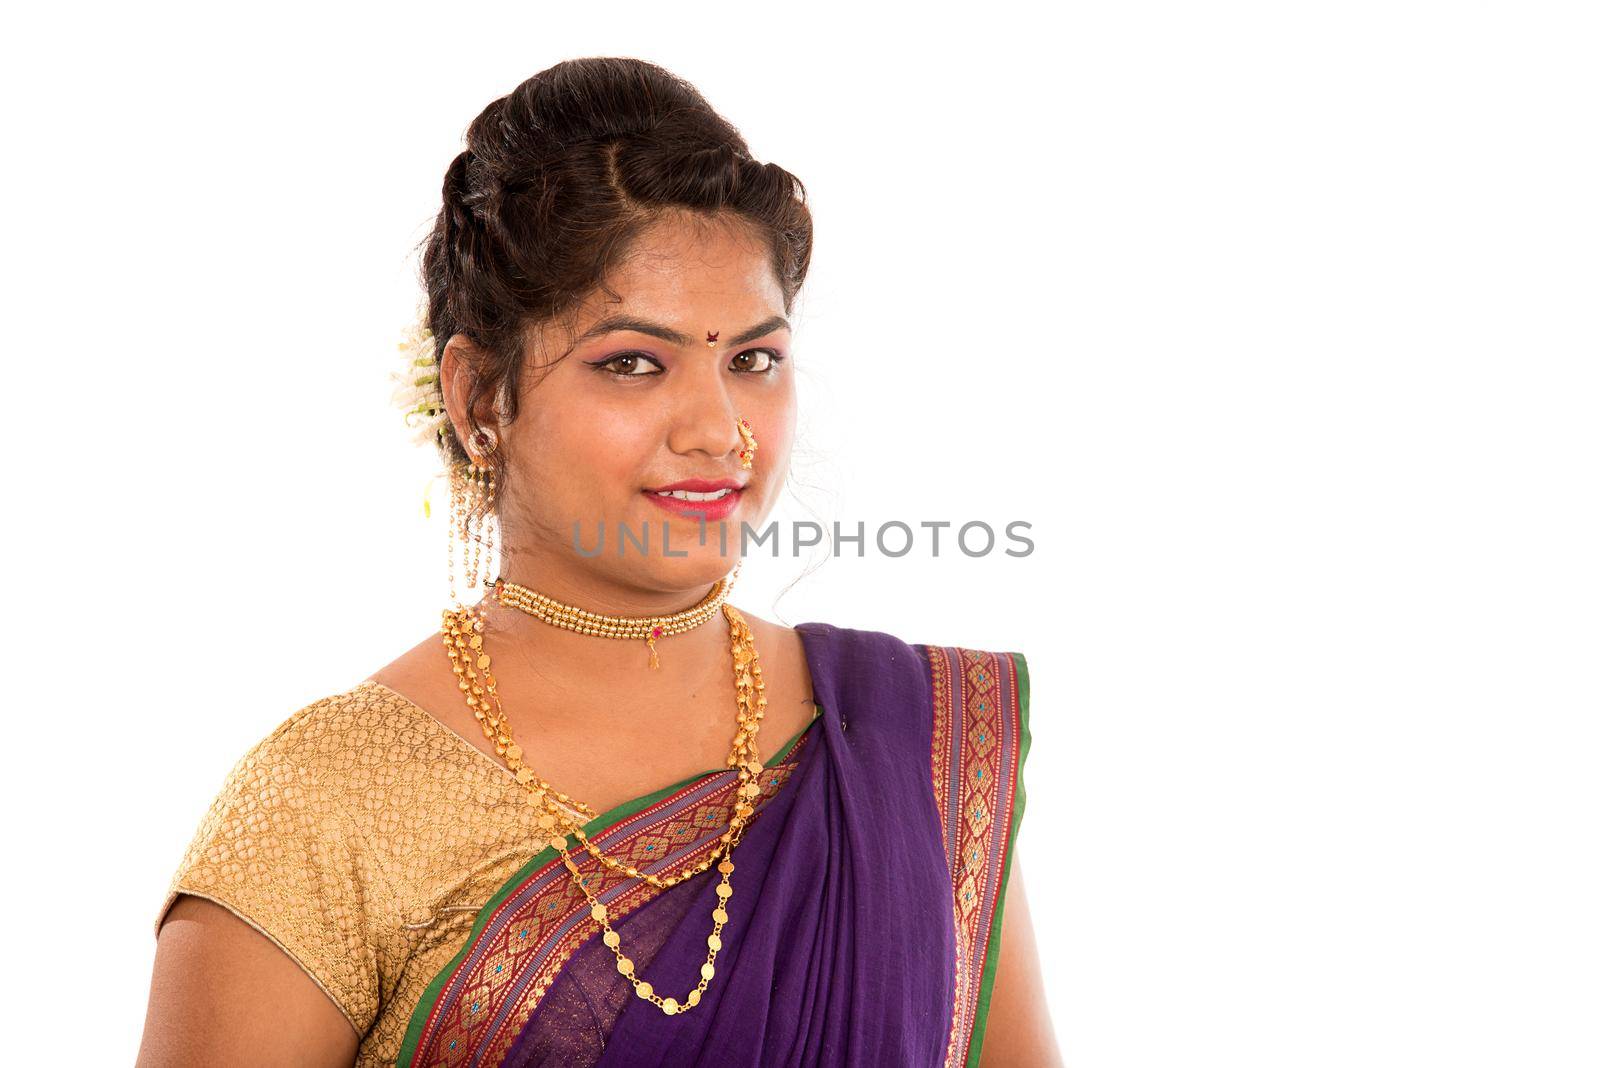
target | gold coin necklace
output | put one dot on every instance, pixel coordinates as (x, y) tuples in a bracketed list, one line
[(462, 629)]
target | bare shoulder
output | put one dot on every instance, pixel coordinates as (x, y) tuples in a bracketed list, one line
[(421, 669), (771, 634), (783, 660), (423, 676)]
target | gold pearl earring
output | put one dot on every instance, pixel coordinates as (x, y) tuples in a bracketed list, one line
[(472, 518)]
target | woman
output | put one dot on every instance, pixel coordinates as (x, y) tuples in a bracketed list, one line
[(537, 845)]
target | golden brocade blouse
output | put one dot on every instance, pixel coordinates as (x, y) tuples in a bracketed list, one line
[(363, 836)]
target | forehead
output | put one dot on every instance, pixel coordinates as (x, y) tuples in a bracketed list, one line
[(693, 272)]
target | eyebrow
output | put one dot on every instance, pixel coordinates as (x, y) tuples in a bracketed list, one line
[(613, 323)]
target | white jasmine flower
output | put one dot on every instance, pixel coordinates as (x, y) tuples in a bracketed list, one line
[(416, 385)]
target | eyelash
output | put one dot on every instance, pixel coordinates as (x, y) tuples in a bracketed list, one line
[(773, 360)]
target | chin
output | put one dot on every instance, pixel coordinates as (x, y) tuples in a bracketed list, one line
[(701, 567)]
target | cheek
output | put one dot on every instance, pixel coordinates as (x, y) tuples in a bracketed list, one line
[(774, 425), (590, 451), (774, 422)]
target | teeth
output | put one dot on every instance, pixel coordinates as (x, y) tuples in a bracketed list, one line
[(691, 495)]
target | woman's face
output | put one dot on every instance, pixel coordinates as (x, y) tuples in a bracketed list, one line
[(643, 403)]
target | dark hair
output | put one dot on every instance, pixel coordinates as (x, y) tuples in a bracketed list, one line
[(558, 179)]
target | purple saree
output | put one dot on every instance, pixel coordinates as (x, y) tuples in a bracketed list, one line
[(864, 926)]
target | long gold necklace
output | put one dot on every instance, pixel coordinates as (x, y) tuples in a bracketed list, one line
[(463, 637), (634, 628)]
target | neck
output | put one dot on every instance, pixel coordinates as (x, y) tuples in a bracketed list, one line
[(601, 678), (592, 589)]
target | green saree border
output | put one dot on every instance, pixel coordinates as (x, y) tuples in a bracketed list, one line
[(991, 965), (547, 855)]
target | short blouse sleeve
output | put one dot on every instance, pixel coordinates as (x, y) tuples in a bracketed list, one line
[(280, 852), (980, 743)]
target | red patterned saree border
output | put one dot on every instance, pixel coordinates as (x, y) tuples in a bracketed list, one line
[(474, 1009), (980, 738)]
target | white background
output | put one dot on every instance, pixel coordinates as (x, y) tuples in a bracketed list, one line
[(1277, 322)]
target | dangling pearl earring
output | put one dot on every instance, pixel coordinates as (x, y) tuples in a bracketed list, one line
[(472, 519)]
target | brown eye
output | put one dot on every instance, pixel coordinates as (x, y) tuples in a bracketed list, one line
[(756, 361), (628, 365)]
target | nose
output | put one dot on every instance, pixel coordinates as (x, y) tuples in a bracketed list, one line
[(704, 418)]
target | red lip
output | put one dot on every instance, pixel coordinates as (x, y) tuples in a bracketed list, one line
[(698, 485), (710, 511)]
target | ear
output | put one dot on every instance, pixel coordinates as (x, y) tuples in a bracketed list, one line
[(457, 373)]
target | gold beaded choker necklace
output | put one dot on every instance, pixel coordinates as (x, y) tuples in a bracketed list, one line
[(634, 628), (462, 629)]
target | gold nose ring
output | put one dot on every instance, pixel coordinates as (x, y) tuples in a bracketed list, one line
[(747, 455)]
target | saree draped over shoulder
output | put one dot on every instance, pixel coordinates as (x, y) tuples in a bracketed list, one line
[(868, 887)]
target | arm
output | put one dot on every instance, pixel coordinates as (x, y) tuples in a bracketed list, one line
[(223, 993), (1018, 1032)]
